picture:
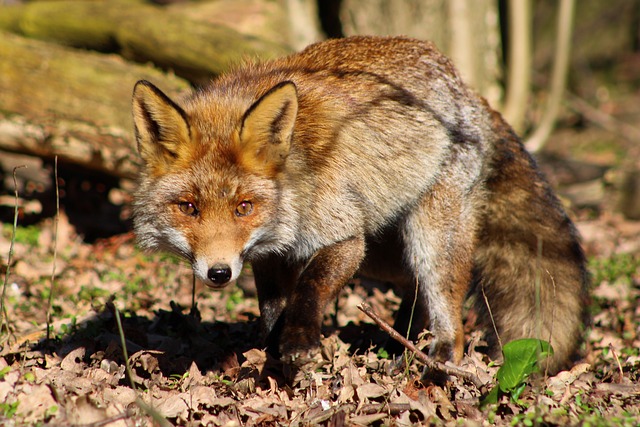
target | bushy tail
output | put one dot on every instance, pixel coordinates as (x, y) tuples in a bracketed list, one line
[(530, 275)]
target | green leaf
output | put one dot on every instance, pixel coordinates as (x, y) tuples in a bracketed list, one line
[(491, 398), (521, 360), (383, 354), (4, 371)]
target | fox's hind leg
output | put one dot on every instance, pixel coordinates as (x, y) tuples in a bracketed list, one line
[(439, 240)]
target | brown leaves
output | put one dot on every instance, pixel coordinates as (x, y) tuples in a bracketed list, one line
[(207, 367)]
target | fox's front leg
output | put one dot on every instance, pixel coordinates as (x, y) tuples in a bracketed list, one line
[(275, 278), (292, 296), (320, 281)]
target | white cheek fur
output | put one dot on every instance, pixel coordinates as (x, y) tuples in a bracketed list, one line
[(177, 240), (200, 268)]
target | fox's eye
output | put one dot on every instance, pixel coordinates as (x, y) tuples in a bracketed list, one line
[(244, 208), (188, 208)]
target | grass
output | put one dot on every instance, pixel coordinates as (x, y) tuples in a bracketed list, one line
[(55, 247), (28, 235), (617, 268), (3, 310)]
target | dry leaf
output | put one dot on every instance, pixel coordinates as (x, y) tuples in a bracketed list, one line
[(171, 405), (73, 362), (370, 391)]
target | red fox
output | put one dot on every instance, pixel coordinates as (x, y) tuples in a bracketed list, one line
[(364, 155)]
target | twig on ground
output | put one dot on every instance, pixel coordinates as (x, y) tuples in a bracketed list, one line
[(387, 408), (424, 358), (157, 417), (128, 413), (493, 320), (193, 291), (369, 409), (553, 318), (328, 414), (407, 361), (125, 353)]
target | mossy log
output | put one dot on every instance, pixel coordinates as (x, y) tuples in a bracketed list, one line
[(72, 103), (60, 96), (191, 48)]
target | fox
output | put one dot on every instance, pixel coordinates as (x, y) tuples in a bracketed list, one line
[(362, 156)]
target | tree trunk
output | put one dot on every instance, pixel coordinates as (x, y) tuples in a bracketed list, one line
[(466, 30)]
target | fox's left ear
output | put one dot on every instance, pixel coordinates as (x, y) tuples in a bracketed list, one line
[(267, 128), (161, 126)]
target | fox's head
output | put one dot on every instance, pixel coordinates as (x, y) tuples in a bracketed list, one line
[(209, 189)]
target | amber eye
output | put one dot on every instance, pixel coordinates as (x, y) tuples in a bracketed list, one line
[(244, 208), (188, 208)]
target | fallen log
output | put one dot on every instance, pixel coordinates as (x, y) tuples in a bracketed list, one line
[(192, 48), (76, 104)]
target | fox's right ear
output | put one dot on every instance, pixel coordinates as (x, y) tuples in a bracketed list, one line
[(161, 126)]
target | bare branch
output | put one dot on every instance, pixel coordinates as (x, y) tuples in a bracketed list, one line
[(424, 358)]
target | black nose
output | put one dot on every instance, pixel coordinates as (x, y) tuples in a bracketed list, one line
[(219, 274)]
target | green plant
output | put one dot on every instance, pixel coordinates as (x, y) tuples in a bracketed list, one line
[(235, 298), (51, 411), (4, 371), (8, 410), (68, 328), (529, 418), (615, 268), (382, 354), (521, 359), (136, 284), (25, 235), (90, 293)]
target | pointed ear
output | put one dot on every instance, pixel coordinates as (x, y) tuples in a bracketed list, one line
[(267, 128), (161, 126)]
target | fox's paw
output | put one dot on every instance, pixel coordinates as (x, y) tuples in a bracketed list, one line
[(442, 351), (446, 348), (299, 345)]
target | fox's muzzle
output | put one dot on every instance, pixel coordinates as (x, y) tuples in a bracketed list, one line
[(219, 274)]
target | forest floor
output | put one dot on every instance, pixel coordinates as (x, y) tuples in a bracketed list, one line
[(204, 365)]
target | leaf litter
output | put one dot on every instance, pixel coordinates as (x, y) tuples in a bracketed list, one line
[(204, 366)]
